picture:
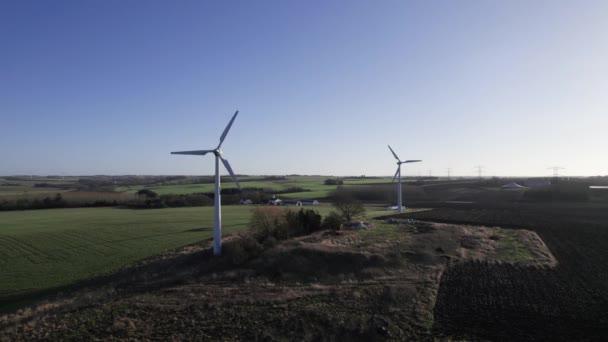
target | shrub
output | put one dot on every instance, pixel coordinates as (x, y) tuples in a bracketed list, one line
[(348, 208), (147, 193), (332, 221), (189, 200), (310, 220), (243, 249), (274, 178), (302, 222), (333, 181), (280, 223), (269, 221), (290, 189)]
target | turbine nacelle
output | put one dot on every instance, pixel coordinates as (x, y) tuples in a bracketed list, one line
[(399, 162)]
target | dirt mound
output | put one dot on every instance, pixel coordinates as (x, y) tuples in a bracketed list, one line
[(432, 241)]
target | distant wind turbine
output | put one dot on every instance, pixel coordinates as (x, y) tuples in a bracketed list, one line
[(217, 226), (398, 174)]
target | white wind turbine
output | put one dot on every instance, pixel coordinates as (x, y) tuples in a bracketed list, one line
[(398, 174), (217, 226)]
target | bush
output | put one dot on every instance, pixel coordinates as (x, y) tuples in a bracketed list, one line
[(332, 221), (290, 190), (172, 201), (242, 250), (333, 181), (26, 204), (269, 221), (303, 222), (147, 193), (280, 223), (274, 178), (310, 219)]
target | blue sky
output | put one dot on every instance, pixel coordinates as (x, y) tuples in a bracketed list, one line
[(111, 87)]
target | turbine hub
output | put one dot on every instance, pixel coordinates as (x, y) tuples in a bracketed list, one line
[(217, 152)]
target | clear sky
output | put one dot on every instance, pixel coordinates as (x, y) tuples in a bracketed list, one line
[(113, 86)]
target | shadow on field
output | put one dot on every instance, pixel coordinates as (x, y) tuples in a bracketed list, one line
[(203, 229)]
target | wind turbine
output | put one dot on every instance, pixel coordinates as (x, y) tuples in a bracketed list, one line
[(217, 225), (398, 173)]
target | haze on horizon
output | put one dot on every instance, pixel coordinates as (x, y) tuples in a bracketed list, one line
[(111, 87)]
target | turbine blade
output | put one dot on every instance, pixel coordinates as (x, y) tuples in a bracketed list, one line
[(195, 153), (411, 161), (395, 154), (227, 166), (227, 129), (395, 176)]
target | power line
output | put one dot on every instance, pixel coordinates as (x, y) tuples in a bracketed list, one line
[(556, 170), (479, 169)]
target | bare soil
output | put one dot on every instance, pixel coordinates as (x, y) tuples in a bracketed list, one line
[(481, 300)]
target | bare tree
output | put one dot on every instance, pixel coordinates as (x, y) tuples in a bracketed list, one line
[(348, 207)]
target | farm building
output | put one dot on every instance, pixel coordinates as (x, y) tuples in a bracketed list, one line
[(300, 203), (287, 202), (275, 201), (307, 202)]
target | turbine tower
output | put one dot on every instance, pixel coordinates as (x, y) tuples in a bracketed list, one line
[(398, 174), (217, 225)]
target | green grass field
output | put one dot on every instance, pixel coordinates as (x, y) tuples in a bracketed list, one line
[(305, 195), (42, 249), (17, 189), (314, 185), (309, 183)]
